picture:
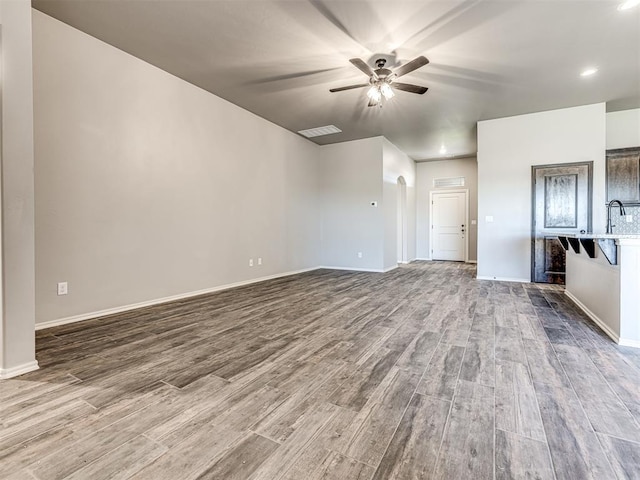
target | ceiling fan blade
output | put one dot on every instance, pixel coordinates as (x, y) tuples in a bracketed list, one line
[(407, 87), (411, 66), (362, 66), (340, 89)]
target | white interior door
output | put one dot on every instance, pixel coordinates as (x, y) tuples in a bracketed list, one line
[(448, 227)]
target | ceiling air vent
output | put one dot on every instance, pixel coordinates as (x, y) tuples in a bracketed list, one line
[(319, 131), (448, 182)]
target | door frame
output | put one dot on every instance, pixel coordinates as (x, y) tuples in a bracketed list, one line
[(466, 218), (589, 166)]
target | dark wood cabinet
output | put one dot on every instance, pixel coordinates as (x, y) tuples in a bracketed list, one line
[(623, 175)]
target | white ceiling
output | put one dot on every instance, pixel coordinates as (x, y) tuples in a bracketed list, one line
[(278, 59)]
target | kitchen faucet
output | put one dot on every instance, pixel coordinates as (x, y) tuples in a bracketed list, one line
[(622, 212)]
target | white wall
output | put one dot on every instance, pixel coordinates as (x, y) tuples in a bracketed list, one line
[(149, 187), (623, 129), (396, 163), (351, 180), (427, 172), (507, 148), (17, 343)]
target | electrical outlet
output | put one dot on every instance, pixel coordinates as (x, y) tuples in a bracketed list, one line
[(359, 254), (259, 260), (629, 218), (251, 262), (63, 288)]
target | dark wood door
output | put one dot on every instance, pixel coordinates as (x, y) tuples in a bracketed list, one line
[(561, 203)]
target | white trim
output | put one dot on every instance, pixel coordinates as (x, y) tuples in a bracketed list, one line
[(19, 370), (603, 326), (424, 259), (157, 301), (504, 279), (471, 261), (466, 217), (393, 267), (355, 269), (629, 343)]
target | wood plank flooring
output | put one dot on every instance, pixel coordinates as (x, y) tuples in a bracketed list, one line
[(419, 373)]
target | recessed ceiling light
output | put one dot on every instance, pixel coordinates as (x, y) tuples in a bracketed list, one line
[(628, 4), (588, 72), (443, 150), (319, 131)]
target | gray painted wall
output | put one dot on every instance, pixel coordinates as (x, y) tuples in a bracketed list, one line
[(623, 129), (149, 187), (427, 172), (351, 180), (17, 347), (507, 148)]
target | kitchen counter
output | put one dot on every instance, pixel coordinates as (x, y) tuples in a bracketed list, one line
[(613, 236), (603, 279)]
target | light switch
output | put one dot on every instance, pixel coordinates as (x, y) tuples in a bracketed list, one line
[(488, 219)]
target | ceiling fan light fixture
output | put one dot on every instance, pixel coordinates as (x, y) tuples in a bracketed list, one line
[(374, 93), (387, 91)]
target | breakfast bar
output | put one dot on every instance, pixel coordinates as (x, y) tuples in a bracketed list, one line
[(603, 279)]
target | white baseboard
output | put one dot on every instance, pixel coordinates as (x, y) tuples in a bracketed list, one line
[(504, 279), (157, 301), (629, 343), (472, 261), (354, 269), (424, 259), (603, 326), (388, 269), (19, 370)]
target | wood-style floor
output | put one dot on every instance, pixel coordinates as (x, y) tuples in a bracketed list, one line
[(423, 372)]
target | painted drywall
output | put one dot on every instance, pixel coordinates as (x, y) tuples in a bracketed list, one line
[(623, 129), (17, 316), (148, 187), (507, 149), (426, 173), (351, 179), (395, 164), (596, 285)]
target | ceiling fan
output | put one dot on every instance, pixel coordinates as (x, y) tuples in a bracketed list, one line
[(382, 81)]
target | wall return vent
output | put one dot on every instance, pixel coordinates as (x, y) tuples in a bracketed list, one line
[(448, 182)]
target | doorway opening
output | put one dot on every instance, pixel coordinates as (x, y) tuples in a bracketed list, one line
[(401, 220)]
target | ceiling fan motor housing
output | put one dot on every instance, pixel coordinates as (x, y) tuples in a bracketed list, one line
[(381, 72)]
